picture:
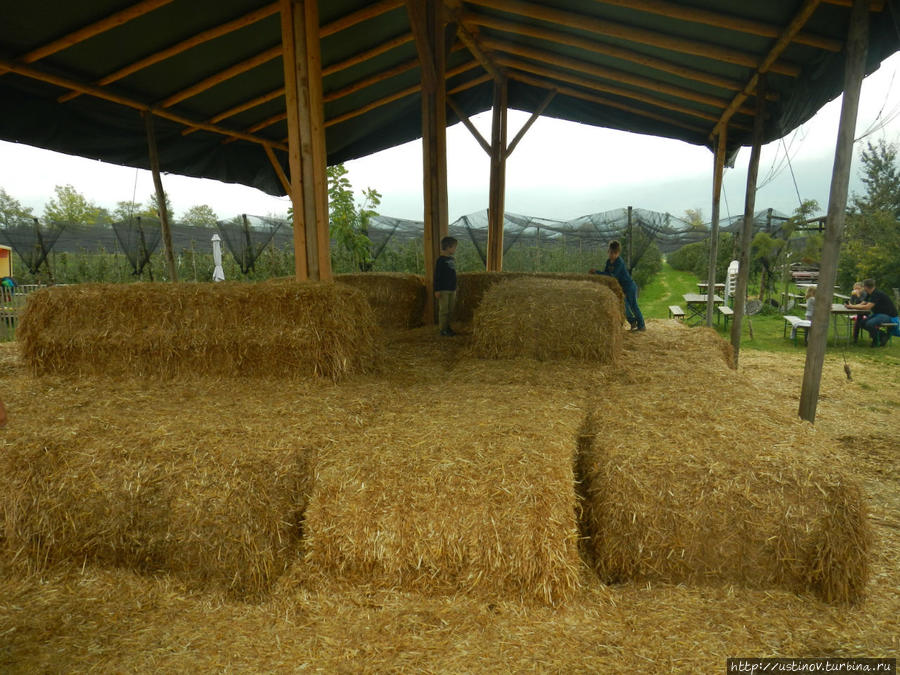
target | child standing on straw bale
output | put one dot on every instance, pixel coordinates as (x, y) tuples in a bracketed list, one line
[(615, 267), (445, 285)]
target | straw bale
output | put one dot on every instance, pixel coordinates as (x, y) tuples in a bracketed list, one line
[(215, 517), (474, 498), (696, 478), (548, 319), (473, 285), (398, 300), (231, 328)]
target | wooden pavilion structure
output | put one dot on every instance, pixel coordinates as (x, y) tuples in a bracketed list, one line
[(268, 94)]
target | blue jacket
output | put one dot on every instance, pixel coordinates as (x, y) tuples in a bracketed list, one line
[(620, 272)]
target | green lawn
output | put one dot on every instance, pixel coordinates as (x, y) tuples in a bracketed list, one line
[(768, 327)]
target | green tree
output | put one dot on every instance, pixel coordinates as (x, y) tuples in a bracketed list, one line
[(151, 209), (872, 234), (11, 211), (771, 255), (349, 221), (200, 215), (70, 207)]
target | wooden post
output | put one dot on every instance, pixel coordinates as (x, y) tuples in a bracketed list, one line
[(718, 169), (497, 179), (160, 195), (306, 137), (629, 238), (854, 71), (740, 290), (427, 21)]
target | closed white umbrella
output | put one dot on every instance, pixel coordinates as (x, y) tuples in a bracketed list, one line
[(218, 272)]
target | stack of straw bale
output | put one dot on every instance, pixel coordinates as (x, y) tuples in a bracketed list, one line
[(688, 476), (283, 329), (215, 517), (398, 300), (548, 319), (443, 498), (473, 285)]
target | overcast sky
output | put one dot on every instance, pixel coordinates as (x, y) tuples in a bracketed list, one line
[(560, 170)]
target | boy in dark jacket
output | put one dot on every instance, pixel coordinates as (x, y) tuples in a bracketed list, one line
[(615, 267), (445, 285)]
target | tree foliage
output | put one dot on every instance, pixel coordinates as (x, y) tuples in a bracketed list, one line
[(349, 221), (11, 210), (70, 207), (200, 215)]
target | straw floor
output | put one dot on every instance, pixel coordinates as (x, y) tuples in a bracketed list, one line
[(99, 615)]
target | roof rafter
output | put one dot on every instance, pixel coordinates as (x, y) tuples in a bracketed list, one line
[(598, 86), (717, 19), (469, 37), (803, 14), (593, 98), (638, 35), (99, 92), (608, 74), (183, 46), (550, 35)]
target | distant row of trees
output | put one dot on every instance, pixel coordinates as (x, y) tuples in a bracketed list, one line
[(70, 206)]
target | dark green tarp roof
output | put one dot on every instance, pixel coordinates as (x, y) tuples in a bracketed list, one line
[(662, 68)]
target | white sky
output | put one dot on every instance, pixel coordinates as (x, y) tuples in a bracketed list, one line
[(559, 170)]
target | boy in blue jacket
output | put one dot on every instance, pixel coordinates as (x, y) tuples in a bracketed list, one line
[(615, 267)]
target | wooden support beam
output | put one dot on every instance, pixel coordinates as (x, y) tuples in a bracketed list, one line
[(306, 138), (531, 120), (799, 20), (740, 290), (380, 76), (106, 95), (600, 100), (468, 124), (497, 179), (363, 56), (854, 72), (222, 76), (611, 75), (427, 20), (116, 19), (595, 85), (540, 33), (279, 170), (874, 5), (470, 40), (183, 46), (609, 29), (718, 171), (160, 196), (675, 10)]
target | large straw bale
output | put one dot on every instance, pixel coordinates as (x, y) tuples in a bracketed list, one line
[(398, 300), (145, 329), (694, 478), (216, 518), (442, 498), (473, 285), (548, 319)]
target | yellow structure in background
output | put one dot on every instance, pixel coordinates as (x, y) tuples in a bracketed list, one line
[(5, 261)]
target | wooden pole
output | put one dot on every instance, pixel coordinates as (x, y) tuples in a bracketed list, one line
[(854, 71), (718, 169), (629, 238), (426, 19), (531, 120), (160, 195), (740, 291), (497, 179)]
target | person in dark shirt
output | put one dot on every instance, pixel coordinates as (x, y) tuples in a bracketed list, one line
[(445, 285), (881, 310), (615, 267)]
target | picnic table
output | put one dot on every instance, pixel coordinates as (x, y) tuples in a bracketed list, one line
[(701, 286), (695, 304)]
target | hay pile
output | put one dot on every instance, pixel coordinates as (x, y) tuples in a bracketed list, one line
[(473, 285), (398, 300), (548, 319), (440, 498), (694, 477), (281, 329), (215, 519)]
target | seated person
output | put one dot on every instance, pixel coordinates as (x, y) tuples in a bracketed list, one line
[(857, 296), (881, 310)]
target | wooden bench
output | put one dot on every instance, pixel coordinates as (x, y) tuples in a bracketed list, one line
[(675, 312), (795, 322), (727, 312)]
